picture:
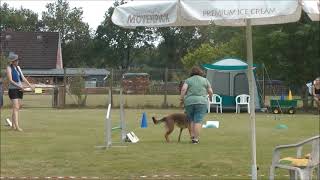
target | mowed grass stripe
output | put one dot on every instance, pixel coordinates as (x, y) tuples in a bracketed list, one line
[(62, 143)]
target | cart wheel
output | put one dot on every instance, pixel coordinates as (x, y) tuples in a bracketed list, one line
[(276, 111), (291, 110)]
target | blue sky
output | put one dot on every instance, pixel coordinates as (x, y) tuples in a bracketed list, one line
[(93, 10)]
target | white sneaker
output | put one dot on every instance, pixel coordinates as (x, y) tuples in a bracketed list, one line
[(9, 122), (195, 141)]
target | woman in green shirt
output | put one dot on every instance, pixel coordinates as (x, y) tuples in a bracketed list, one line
[(194, 94)]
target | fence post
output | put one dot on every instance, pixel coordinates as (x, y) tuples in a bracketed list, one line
[(263, 86), (111, 89), (55, 97), (63, 103), (61, 96), (122, 120), (165, 103)]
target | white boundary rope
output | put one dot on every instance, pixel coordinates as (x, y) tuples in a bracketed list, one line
[(141, 177)]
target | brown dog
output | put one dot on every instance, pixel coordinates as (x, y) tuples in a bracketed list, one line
[(180, 119)]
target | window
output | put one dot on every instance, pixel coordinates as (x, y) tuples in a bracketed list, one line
[(241, 84)]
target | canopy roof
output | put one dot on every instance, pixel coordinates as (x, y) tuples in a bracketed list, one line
[(227, 65), (162, 13)]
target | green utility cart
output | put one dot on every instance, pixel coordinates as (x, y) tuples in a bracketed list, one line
[(283, 106)]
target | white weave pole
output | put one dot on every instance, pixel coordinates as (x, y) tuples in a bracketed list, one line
[(108, 129), (108, 122)]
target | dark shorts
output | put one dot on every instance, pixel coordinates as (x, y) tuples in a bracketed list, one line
[(1, 95), (15, 94), (1, 98)]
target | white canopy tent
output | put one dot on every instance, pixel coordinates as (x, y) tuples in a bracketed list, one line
[(161, 13), (312, 8), (220, 12)]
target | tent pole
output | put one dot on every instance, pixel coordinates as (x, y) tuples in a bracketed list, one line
[(252, 98), (263, 86)]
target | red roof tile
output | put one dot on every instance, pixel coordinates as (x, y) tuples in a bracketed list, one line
[(36, 50)]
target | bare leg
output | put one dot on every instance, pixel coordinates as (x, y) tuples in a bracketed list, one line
[(13, 121), (196, 130), (192, 130), (15, 114), (189, 129), (318, 104)]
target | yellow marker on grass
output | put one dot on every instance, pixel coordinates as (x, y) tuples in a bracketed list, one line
[(38, 90)]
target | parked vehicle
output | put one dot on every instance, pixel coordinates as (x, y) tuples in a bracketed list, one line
[(283, 106)]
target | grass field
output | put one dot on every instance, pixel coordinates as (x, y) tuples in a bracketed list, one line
[(100, 100), (62, 143)]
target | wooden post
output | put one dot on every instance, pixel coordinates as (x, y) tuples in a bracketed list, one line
[(64, 86), (254, 173), (55, 97), (305, 98), (263, 86), (165, 103), (111, 88), (122, 118)]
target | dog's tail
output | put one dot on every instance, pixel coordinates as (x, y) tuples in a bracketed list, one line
[(155, 121)]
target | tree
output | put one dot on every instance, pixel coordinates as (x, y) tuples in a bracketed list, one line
[(77, 88), (208, 53), (290, 51), (73, 31), (68, 22), (3, 63), (18, 19), (115, 46), (176, 42), (215, 43)]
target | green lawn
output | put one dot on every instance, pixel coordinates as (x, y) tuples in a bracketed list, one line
[(62, 143), (100, 100)]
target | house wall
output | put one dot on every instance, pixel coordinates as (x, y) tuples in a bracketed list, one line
[(100, 82)]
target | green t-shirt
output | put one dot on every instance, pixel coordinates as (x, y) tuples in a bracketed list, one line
[(197, 90)]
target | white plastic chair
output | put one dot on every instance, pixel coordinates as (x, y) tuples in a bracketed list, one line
[(216, 100), (242, 99), (304, 172)]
